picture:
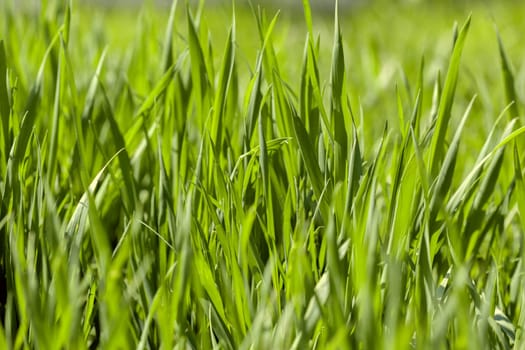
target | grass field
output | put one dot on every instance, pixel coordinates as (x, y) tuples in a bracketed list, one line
[(282, 180)]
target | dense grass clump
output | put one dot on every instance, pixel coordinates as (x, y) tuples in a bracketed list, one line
[(285, 191)]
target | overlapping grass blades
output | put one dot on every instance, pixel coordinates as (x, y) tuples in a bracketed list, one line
[(178, 199)]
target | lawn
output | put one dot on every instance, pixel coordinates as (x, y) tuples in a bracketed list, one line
[(280, 179)]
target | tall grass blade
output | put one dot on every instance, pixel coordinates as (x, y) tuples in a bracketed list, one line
[(445, 104), (508, 79)]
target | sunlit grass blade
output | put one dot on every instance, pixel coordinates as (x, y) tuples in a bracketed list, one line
[(221, 95), (130, 193), (338, 99), (31, 107), (167, 53), (310, 160), (508, 79), (444, 178), (55, 128), (445, 104), (5, 106)]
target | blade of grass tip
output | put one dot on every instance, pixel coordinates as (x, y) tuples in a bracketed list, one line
[(308, 18), (255, 95), (401, 114), (489, 182), (264, 30), (337, 82), (313, 73), (55, 126), (436, 96), (83, 202), (308, 105), (508, 79), (5, 106), (416, 116), (67, 23), (31, 107), (446, 101), (167, 51), (221, 96), (198, 65)]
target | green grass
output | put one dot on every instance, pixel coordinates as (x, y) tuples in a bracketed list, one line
[(169, 180)]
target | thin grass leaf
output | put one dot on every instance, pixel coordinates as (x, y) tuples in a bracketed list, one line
[(5, 106), (520, 186), (221, 96), (508, 79), (446, 101), (130, 193), (444, 178), (55, 128), (28, 122), (167, 50), (308, 155)]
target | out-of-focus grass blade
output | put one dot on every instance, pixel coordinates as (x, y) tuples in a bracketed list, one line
[(99, 236), (308, 17), (416, 115), (5, 106), (55, 128), (400, 113), (505, 324), (423, 174), (167, 51), (67, 23), (508, 79), (446, 101)]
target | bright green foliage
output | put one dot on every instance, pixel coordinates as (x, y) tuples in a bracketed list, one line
[(290, 189)]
